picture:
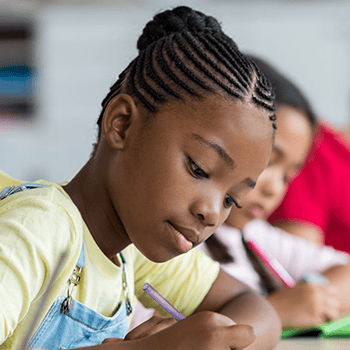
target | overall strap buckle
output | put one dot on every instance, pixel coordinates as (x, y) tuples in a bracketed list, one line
[(7, 191), (73, 281)]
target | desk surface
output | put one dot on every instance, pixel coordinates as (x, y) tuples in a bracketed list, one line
[(314, 344)]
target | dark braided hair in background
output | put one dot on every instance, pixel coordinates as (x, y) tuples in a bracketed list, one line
[(183, 52)]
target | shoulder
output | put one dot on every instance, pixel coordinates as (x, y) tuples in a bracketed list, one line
[(38, 200), (43, 218), (267, 236), (228, 235), (7, 180)]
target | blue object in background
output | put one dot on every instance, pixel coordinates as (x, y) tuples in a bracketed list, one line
[(15, 81), (315, 278)]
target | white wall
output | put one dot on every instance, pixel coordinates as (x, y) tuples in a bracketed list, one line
[(81, 51)]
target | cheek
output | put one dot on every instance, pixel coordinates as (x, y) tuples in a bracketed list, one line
[(278, 198), (161, 185)]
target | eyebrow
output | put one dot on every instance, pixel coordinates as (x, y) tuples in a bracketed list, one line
[(219, 150), (224, 155)]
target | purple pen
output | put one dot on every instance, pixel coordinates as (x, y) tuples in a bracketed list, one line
[(163, 302)]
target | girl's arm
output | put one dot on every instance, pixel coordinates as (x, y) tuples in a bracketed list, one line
[(230, 316), (295, 254), (339, 277), (203, 330), (307, 231), (232, 298), (309, 304), (305, 304)]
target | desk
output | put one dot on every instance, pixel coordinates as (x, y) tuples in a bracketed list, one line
[(314, 344)]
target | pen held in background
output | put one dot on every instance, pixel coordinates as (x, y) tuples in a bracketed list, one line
[(273, 265), (163, 302)]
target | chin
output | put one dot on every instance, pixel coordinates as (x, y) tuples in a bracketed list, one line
[(157, 256)]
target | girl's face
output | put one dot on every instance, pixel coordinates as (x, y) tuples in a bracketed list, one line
[(293, 138), (178, 176)]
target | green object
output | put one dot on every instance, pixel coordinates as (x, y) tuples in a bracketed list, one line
[(334, 329)]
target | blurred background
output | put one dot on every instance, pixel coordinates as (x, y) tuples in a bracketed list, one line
[(59, 58)]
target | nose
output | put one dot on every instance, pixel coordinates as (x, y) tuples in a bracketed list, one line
[(207, 210)]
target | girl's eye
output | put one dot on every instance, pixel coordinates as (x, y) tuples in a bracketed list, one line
[(229, 201), (197, 171)]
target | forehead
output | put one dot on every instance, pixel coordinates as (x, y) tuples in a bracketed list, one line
[(294, 133), (242, 129)]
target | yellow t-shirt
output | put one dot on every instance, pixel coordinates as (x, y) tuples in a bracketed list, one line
[(42, 233), (6, 180)]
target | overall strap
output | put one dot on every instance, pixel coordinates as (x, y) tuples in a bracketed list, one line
[(7, 191), (73, 281), (76, 275)]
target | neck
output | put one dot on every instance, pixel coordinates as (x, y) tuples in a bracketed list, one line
[(89, 193)]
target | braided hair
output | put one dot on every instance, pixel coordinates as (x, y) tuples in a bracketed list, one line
[(183, 52), (286, 92)]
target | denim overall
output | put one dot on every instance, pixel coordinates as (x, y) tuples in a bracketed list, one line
[(70, 324)]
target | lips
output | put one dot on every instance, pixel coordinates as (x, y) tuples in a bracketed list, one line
[(185, 238)]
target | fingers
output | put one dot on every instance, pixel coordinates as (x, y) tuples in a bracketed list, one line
[(330, 291), (112, 340), (326, 303), (154, 325), (332, 308), (204, 330), (241, 336)]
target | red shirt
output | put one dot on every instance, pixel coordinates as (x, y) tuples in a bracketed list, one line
[(320, 193)]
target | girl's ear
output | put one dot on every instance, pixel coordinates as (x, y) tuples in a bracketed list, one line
[(117, 119)]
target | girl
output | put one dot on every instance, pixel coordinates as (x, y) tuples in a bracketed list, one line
[(305, 304), (183, 136), (322, 190)]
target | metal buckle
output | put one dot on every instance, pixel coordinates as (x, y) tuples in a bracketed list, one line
[(73, 281), (7, 191), (125, 286)]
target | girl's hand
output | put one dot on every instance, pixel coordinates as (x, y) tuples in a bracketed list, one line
[(204, 330), (112, 340), (151, 326), (306, 304)]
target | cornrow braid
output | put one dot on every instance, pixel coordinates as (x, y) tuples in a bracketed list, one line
[(182, 45), (182, 53), (264, 94), (243, 73), (198, 50), (150, 71), (174, 56)]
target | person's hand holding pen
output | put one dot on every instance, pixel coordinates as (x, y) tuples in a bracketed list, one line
[(153, 325), (305, 304), (204, 330), (310, 302)]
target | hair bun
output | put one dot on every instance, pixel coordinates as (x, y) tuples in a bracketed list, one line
[(179, 19)]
